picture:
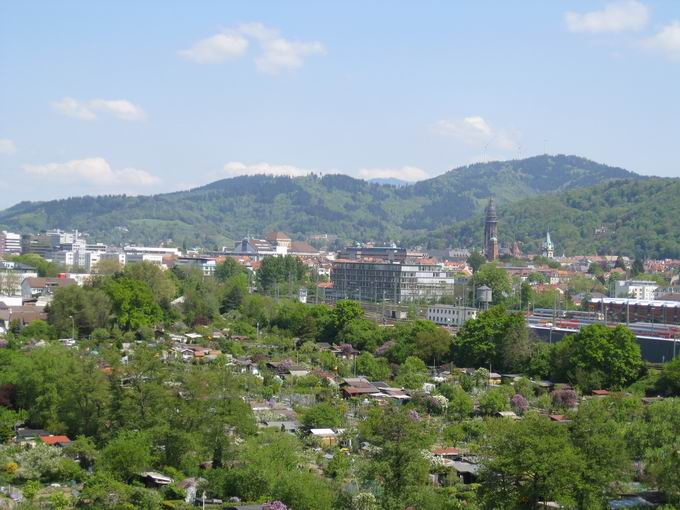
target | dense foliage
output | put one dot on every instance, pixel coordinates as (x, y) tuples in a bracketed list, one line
[(632, 217)]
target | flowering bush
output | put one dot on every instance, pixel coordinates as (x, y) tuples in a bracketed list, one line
[(413, 414), (274, 505), (565, 399), (364, 501), (519, 404)]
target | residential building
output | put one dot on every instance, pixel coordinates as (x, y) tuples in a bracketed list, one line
[(389, 281), (637, 289), (450, 315), (34, 287)]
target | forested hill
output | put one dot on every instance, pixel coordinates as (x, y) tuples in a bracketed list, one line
[(635, 218), (333, 204)]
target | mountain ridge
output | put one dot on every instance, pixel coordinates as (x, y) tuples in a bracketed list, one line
[(336, 204)]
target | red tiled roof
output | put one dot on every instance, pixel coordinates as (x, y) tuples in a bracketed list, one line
[(600, 392), (52, 440)]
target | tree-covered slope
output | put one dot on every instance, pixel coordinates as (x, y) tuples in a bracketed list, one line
[(639, 217), (333, 204)]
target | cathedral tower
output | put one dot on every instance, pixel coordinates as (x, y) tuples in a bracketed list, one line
[(491, 231)]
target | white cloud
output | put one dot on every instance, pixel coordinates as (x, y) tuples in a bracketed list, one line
[(74, 108), (405, 173), (477, 132), (617, 16), (87, 110), (276, 52), (667, 40), (93, 171), (7, 146), (217, 48), (234, 168), (120, 108), (279, 53)]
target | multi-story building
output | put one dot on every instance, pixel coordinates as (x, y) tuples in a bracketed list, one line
[(450, 315), (390, 253), (206, 264), (153, 250), (151, 258), (394, 282), (637, 289), (38, 244), (10, 243)]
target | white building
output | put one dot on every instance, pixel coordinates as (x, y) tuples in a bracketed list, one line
[(637, 289), (153, 250), (152, 258), (450, 315), (10, 243)]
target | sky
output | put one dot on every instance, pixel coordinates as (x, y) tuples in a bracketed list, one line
[(144, 97)]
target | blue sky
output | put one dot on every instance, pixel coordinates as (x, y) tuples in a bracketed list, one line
[(153, 96)]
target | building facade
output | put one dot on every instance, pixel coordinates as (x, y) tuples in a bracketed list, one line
[(450, 315), (393, 282), (636, 289), (10, 243)]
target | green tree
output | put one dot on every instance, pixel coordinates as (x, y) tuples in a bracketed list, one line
[(460, 403), (400, 436), (494, 277), (228, 269), (526, 462), (638, 267), (133, 303), (160, 282), (412, 373), (280, 270), (235, 290), (376, 369), (495, 337), (598, 356), (433, 346), (86, 308), (494, 401), (323, 415), (600, 440), (669, 382), (126, 455), (476, 260)]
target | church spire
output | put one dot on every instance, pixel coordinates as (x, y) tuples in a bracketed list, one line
[(491, 231)]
